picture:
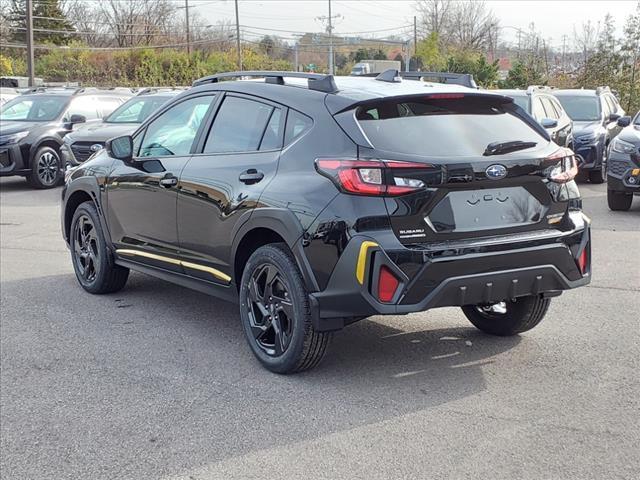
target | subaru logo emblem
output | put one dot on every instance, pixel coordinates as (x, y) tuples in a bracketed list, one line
[(95, 147), (496, 172)]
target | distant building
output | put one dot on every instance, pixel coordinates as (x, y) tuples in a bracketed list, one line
[(504, 65)]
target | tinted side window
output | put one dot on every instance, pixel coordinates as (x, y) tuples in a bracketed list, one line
[(85, 106), (548, 107), (173, 132), (556, 106), (272, 134), (606, 108), (239, 126), (537, 109), (297, 124), (612, 103)]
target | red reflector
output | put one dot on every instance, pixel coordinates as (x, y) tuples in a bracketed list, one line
[(582, 261), (387, 284)]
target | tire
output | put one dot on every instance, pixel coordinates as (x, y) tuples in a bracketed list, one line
[(519, 316), (46, 169), (619, 201), (91, 259), (275, 312), (600, 175)]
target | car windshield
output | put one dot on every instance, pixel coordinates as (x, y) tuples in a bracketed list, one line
[(137, 109), (33, 108), (581, 108)]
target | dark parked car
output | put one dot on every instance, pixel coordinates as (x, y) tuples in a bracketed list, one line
[(595, 114), (32, 127), (546, 109), (80, 144), (623, 170), (315, 201)]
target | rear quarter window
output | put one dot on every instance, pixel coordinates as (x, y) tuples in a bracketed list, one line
[(443, 127)]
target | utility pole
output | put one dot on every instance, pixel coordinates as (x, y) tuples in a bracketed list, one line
[(30, 69), (329, 20), (238, 38), (186, 11), (295, 51), (330, 42), (415, 35)]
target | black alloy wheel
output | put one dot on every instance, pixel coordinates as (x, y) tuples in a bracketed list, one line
[(46, 169), (85, 248), (276, 314), (270, 311)]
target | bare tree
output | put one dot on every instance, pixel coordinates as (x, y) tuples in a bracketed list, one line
[(585, 39), (142, 22), (467, 25)]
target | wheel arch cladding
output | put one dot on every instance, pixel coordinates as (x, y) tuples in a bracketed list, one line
[(251, 241), (73, 202), (271, 225)]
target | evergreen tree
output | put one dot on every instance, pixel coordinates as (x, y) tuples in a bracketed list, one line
[(48, 16)]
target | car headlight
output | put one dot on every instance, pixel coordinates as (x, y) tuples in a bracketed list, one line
[(13, 138), (621, 146)]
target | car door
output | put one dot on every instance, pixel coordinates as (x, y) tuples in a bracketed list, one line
[(224, 180), (142, 194)]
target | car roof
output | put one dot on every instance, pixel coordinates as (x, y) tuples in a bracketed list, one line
[(513, 92), (575, 92), (296, 94)]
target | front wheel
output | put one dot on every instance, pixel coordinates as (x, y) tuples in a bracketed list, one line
[(94, 269), (508, 318), (619, 201), (46, 169), (600, 174), (275, 312)]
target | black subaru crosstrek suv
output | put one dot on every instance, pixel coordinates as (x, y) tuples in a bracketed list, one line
[(80, 144), (33, 125), (623, 170), (595, 114), (315, 201)]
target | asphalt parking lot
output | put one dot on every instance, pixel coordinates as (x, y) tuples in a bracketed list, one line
[(157, 382)]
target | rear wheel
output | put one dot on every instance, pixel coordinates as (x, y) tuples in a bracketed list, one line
[(275, 312), (46, 168), (619, 200), (508, 318), (95, 271)]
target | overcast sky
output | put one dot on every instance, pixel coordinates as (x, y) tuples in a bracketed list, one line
[(552, 18)]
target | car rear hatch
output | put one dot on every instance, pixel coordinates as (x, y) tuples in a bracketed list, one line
[(454, 166)]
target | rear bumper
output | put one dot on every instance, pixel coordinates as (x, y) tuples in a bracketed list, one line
[(489, 271)]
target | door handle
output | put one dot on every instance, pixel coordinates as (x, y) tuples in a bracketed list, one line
[(168, 181), (251, 176)]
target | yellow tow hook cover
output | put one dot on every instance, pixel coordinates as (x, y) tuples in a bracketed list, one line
[(362, 259)]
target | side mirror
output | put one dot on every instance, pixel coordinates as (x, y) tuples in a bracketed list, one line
[(549, 123), (613, 117), (120, 148), (624, 121), (75, 118)]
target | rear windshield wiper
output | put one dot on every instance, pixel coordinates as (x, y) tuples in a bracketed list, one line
[(499, 148)]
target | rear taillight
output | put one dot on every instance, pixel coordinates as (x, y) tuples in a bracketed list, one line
[(566, 167), (387, 285), (373, 177)]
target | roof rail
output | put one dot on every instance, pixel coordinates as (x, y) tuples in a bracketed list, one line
[(464, 79), (531, 88), (147, 90), (316, 81), (602, 89)]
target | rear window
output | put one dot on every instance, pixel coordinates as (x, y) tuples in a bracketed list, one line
[(458, 127)]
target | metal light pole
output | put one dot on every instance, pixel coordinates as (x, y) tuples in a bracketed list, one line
[(238, 38), (30, 70)]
